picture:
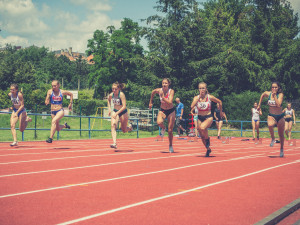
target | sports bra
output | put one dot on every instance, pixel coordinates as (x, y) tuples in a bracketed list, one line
[(204, 106), (167, 96), (116, 100), (15, 101), (56, 100), (289, 112), (271, 103)]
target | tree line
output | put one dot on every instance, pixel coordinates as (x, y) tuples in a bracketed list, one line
[(236, 46)]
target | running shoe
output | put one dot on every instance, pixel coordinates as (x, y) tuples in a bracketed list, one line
[(208, 151), (162, 132), (15, 143), (28, 119), (207, 143), (113, 145), (49, 140), (281, 153), (130, 127), (67, 126), (272, 143), (171, 150)]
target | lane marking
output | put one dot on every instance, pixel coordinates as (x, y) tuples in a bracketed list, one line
[(172, 195), (128, 176), (96, 165)]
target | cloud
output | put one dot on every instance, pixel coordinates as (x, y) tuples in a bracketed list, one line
[(26, 23), (93, 5), (296, 6)]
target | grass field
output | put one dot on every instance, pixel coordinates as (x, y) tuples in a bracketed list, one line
[(102, 124)]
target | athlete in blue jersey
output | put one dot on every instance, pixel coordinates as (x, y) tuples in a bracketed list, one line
[(275, 98), (19, 112), (118, 99), (55, 97)]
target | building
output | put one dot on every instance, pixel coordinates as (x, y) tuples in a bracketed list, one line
[(73, 56)]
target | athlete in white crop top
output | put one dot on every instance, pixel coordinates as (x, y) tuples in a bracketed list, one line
[(275, 99), (289, 119), (167, 109), (205, 118), (19, 112), (255, 120), (118, 99)]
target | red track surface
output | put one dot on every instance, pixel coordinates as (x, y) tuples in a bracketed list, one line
[(86, 182)]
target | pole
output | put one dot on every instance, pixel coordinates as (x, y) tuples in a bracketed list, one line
[(80, 120), (35, 119), (241, 128), (152, 120)]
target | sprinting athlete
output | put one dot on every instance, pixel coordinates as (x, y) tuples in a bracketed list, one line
[(205, 118), (119, 113), (167, 109), (219, 119), (255, 120), (55, 97), (289, 119), (275, 116), (19, 112), (194, 111)]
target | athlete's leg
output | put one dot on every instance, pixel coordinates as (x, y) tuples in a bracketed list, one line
[(23, 122), (124, 121), (220, 127), (257, 128), (286, 129), (114, 125), (280, 126), (253, 128), (204, 132), (171, 122), (271, 124), (55, 123), (13, 120), (290, 129), (160, 119)]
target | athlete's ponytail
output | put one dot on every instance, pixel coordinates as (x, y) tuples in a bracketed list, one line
[(121, 86)]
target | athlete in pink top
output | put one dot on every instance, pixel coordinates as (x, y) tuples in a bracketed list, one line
[(203, 103)]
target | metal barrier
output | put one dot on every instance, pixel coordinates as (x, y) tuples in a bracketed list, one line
[(89, 124)]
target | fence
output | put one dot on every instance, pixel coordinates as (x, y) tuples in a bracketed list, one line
[(89, 130)]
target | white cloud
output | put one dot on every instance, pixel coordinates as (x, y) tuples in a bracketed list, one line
[(296, 6), (94, 5), (13, 40)]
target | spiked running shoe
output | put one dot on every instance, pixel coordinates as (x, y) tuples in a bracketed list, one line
[(171, 150), (49, 140), (272, 143), (207, 143), (15, 143), (130, 127), (67, 126), (162, 132), (113, 145), (208, 151), (281, 153)]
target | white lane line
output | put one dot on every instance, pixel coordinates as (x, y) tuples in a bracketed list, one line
[(101, 155), (124, 177), (96, 165), (172, 195)]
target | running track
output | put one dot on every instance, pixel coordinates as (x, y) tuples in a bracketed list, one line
[(86, 182)]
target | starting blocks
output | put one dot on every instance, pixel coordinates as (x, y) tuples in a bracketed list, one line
[(292, 142), (225, 140), (159, 138), (258, 141)]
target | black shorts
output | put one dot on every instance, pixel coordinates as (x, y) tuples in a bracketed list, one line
[(167, 112), (277, 117), (288, 119), (203, 118), (121, 113)]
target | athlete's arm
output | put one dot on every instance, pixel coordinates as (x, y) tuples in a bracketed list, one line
[(195, 100), (21, 102), (155, 91), (47, 100), (265, 94), (108, 104), (71, 97), (216, 100), (170, 99), (278, 100)]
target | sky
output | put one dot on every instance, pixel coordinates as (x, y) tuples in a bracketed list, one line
[(60, 24)]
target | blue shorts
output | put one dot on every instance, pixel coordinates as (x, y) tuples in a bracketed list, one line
[(23, 110), (55, 112), (121, 113)]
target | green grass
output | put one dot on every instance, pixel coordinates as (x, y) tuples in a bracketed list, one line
[(74, 122)]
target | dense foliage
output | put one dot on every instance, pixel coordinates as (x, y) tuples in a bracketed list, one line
[(236, 46)]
